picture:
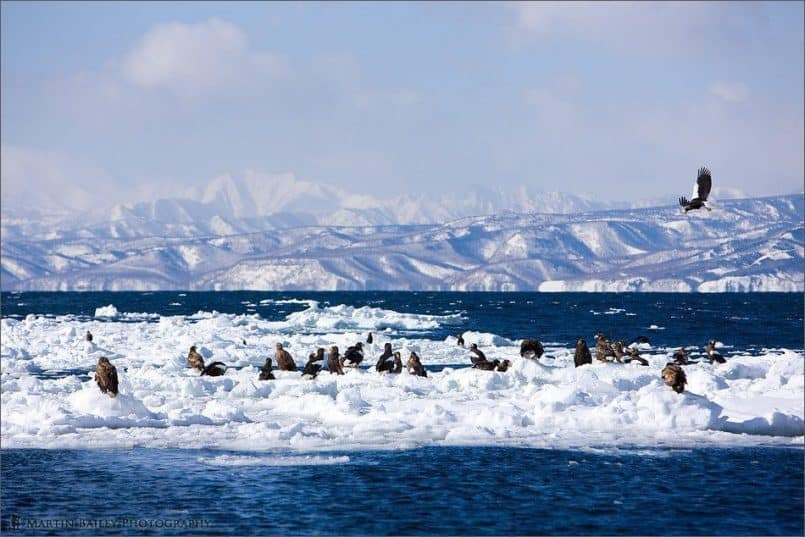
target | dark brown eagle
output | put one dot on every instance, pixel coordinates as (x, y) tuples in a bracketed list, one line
[(394, 365), (674, 377), (703, 184), (333, 363), (194, 359), (215, 369), (582, 355), (415, 366), (284, 360), (531, 348), (265, 371), (106, 377), (713, 356)]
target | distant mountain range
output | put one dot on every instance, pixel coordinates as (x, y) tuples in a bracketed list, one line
[(253, 203), (279, 233)]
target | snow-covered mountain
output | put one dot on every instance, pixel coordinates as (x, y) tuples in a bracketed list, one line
[(254, 202), (743, 245)]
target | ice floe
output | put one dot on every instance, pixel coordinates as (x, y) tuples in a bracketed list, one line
[(49, 399)]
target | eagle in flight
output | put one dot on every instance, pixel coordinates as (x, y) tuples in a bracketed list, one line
[(702, 190)]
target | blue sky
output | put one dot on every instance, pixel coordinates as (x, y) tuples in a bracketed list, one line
[(108, 102)]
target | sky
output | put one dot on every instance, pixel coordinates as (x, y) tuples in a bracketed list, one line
[(127, 101)]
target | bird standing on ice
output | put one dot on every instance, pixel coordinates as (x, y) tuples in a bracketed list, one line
[(531, 348), (415, 366), (194, 359), (106, 377), (674, 377), (333, 362), (702, 190), (265, 371), (582, 355), (284, 360), (353, 356), (311, 368), (712, 355)]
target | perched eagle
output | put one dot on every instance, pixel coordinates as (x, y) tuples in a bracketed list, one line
[(265, 371), (284, 360), (215, 369), (311, 368), (531, 348), (353, 356), (415, 366), (702, 190), (582, 355), (106, 377), (674, 377), (713, 356), (194, 359)]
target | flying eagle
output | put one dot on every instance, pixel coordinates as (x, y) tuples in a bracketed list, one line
[(702, 190)]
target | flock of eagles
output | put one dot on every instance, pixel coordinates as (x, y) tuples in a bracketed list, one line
[(390, 362)]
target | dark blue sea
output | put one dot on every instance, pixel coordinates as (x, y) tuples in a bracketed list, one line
[(746, 322), (429, 491), (432, 490)]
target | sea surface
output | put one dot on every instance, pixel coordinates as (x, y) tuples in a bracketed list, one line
[(174, 471), (427, 491), (748, 321)]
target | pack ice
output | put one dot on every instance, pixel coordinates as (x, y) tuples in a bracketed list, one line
[(49, 399)]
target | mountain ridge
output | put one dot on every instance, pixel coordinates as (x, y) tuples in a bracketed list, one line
[(745, 245), (253, 202)]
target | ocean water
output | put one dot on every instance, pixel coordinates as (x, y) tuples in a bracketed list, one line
[(543, 448), (427, 491), (747, 321)]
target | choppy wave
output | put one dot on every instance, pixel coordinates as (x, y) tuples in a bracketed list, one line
[(242, 460), (750, 400)]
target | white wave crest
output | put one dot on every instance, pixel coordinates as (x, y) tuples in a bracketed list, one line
[(241, 460)]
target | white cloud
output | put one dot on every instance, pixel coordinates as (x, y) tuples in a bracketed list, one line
[(733, 92), (195, 59), (36, 178), (640, 27), (44, 179)]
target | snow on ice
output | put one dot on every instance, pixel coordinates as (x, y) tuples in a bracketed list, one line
[(750, 400)]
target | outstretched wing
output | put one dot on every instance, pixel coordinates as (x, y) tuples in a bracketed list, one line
[(703, 183)]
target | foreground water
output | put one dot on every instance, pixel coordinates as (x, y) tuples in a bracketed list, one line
[(458, 490), (541, 448)]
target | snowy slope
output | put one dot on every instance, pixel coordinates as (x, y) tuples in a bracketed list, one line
[(744, 245)]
